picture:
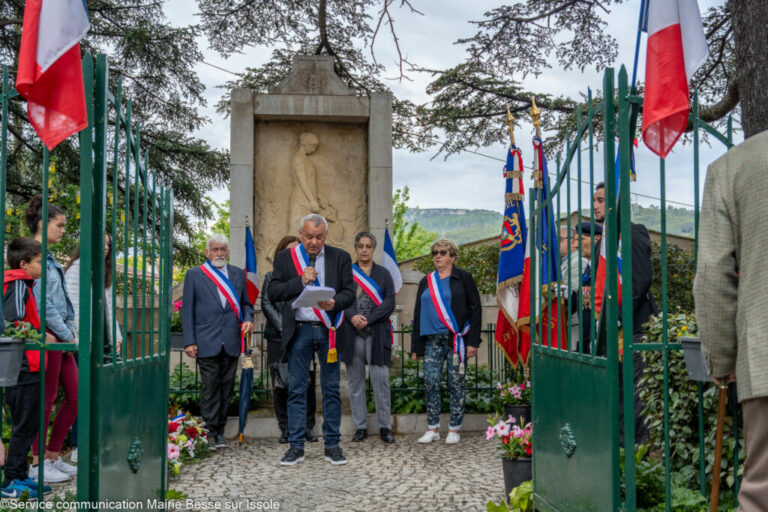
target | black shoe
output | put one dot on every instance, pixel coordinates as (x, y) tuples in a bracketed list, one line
[(360, 435), (335, 456), (311, 437), (221, 442), (386, 435), (283, 437), (293, 456)]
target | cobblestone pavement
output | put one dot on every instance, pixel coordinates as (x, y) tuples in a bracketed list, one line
[(406, 476)]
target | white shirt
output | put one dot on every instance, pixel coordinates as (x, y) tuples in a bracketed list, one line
[(306, 314)]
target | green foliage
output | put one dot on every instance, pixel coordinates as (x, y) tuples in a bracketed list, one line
[(173, 494), (679, 221), (681, 270), (409, 238), (459, 225), (520, 500), (683, 408), (21, 330), (481, 260)]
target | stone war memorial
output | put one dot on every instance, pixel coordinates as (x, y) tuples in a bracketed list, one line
[(309, 146)]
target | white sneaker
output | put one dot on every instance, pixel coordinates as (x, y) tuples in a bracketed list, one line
[(50, 474), (429, 436), (67, 469), (452, 438), (73, 455)]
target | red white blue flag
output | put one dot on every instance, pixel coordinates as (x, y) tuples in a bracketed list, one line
[(50, 73), (389, 261), (250, 267), (677, 47)]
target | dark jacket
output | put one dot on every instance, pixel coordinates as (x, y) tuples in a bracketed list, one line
[(205, 322), (465, 304), (378, 321), (643, 305), (272, 311), (286, 285)]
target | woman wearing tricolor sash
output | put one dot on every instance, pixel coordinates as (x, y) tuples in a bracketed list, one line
[(368, 339), (446, 329)]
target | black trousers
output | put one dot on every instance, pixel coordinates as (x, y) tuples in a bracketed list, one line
[(642, 434), (280, 395), (217, 374), (24, 402)]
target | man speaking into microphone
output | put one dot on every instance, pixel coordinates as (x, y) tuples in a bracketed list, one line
[(307, 330)]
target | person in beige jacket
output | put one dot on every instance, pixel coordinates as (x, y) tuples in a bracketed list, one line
[(732, 297)]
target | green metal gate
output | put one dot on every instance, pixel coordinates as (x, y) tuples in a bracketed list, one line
[(576, 453), (123, 395)]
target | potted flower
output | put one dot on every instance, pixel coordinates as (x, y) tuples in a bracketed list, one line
[(12, 341), (515, 442), (177, 337), (517, 400)]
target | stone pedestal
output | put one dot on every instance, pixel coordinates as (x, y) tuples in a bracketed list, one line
[(309, 145)]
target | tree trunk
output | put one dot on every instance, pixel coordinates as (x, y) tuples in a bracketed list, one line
[(751, 42)]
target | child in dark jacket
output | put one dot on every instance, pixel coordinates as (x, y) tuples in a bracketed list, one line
[(19, 305)]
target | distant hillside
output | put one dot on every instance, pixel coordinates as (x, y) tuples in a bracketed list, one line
[(459, 225), (464, 226)]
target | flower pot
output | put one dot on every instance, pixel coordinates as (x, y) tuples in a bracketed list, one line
[(694, 359), (11, 356), (518, 411), (177, 341), (516, 471)]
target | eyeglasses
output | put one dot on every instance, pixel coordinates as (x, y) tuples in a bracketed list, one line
[(441, 252)]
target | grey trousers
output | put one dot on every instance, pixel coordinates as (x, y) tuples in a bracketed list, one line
[(379, 381), (754, 484)]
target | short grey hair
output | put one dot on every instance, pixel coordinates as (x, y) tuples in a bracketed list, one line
[(315, 218), (365, 234), (217, 238)]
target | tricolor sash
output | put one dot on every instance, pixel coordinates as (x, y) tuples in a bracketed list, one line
[(445, 315), (301, 261), (225, 286), (369, 286)]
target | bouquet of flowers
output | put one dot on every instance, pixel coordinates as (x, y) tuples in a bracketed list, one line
[(515, 440), (187, 441), (515, 394), (176, 316)]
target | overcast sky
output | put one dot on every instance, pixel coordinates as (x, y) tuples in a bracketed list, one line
[(466, 180)]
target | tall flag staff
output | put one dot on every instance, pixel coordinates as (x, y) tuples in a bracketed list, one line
[(250, 266), (512, 242)]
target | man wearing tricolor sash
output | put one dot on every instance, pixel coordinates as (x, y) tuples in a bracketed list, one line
[(215, 316), (368, 338), (307, 330)]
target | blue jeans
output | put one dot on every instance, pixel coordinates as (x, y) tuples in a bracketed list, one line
[(438, 351), (306, 340)]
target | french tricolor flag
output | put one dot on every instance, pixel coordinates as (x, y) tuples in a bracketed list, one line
[(677, 47), (389, 261), (250, 267), (50, 73)]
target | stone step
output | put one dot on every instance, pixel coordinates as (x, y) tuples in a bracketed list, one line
[(260, 426)]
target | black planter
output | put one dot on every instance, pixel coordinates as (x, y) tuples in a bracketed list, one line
[(11, 356), (694, 359), (517, 412), (177, 341), (516, 471)]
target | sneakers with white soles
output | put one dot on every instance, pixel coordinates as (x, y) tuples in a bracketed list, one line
[(50, 474), (452, 438), (67, 469), (429, 436)]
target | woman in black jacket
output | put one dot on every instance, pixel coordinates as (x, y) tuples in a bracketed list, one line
[(272, 331), (446, 326), (367, 337)]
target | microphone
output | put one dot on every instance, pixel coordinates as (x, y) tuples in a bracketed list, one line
[(312, 259)]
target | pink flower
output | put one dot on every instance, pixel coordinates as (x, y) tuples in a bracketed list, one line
[(490, 433), (503, 429), (177, 306), (511, 419), (498, 385), (173, 451)]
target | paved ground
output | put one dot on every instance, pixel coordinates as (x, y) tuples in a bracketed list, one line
[(404, 476)]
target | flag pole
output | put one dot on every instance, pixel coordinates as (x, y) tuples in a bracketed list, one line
[(640, 28)]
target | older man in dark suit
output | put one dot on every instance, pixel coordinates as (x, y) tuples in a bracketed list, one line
[(309, 330), (215, 315)]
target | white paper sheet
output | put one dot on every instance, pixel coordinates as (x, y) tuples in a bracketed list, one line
[(312, 295)]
